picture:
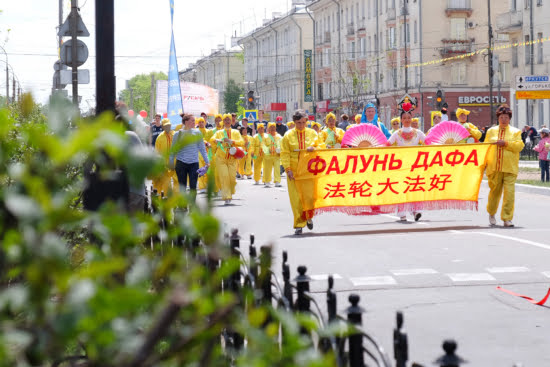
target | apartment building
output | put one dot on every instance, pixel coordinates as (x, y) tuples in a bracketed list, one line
[(275, 64), (216, 70), (362, 47), (515, 23)]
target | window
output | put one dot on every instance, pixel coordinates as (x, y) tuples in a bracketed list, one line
[(514, 53), (415, 32), (368, 9), (458, 73), (406, 34), (363, 9), (369, 49), (320, 91), (363, 47), (504, 71), (527, 52), (394, 77), (526, 4), (352, 50), (458, 28), (513, 5), (539, 49), (541, 112), (392, 43), (539, 2)]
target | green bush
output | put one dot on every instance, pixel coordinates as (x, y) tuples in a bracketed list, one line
[(89, 288)]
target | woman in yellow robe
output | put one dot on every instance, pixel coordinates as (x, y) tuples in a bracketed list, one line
[(245, 164), (206, 135), (502, 166), (168, 181), (331, 135), (257, 152), (357, 121), (272, 158), (226, 164), (300, 138), (462, 116)]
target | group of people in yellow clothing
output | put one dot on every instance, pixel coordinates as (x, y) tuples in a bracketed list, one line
[(267, 150)]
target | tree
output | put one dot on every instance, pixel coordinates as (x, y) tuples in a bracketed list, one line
[(141, 86), (232, 95)]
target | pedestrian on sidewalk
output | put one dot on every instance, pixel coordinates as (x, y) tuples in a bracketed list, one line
[(188, 142), (300, 138), (543, 148), (503, 166)]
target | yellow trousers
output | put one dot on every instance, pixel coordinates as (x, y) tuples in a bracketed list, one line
[(258, 163), (226, 169), (499, 182), (295, 204), (203, 181), (272, 163), (166, 183), (245, 165)]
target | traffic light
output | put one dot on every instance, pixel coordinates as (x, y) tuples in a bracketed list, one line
[(250, 100), (439, 99)]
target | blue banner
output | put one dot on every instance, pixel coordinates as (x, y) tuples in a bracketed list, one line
[(175, 104)]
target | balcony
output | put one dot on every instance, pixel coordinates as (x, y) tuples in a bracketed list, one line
[(509, 22), (454, 47), (459, 6), (351, 30)]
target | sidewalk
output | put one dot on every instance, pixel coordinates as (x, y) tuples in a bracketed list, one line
[(534, 164)]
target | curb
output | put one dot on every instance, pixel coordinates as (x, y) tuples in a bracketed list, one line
[(530, 189)]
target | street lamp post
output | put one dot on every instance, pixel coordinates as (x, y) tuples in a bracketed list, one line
[(7, 76)]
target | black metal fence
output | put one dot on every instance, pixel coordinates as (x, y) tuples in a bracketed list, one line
[(528, 152)]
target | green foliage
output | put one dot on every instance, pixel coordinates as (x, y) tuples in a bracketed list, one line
[(94, 287), (231, 96), (141, 86)]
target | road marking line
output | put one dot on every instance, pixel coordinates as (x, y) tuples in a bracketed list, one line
[(401, 272), (509, 269), (378, 280), (324, 276), (470, 277), (521, 240), (546, 274)]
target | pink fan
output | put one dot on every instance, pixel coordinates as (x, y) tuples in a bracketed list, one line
[(446, 132), (364, 136)]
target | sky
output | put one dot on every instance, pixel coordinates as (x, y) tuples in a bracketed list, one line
[(28, 30)]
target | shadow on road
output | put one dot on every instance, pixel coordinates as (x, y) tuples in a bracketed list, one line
[(386, 231)]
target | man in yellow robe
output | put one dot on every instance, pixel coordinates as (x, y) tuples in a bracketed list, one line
[(226, 164), (168, 181), (331, 135), (462, 116), (502, 166), (257, 152), (245, 164), (272, 158), (206, 135), (300, 138)]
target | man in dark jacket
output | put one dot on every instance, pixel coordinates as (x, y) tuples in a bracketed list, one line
[(281, 128)]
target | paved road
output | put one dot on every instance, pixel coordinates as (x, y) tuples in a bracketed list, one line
[(442, 272)]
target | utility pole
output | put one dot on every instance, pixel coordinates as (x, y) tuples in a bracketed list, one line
[(74, 10), (405, 10), (105, 59), (490, 61), (376, 37), (529, 103), (13, 89), (339, 24)]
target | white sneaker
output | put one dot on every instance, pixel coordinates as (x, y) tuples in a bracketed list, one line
[(257, 183), (403, 219), (508, 223), (492, 220), (227, 202), (278, 184), (267, 184)]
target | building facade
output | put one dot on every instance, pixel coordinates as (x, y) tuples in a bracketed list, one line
[(515, 24), (275, 66), (362, 48), (216, 70)]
